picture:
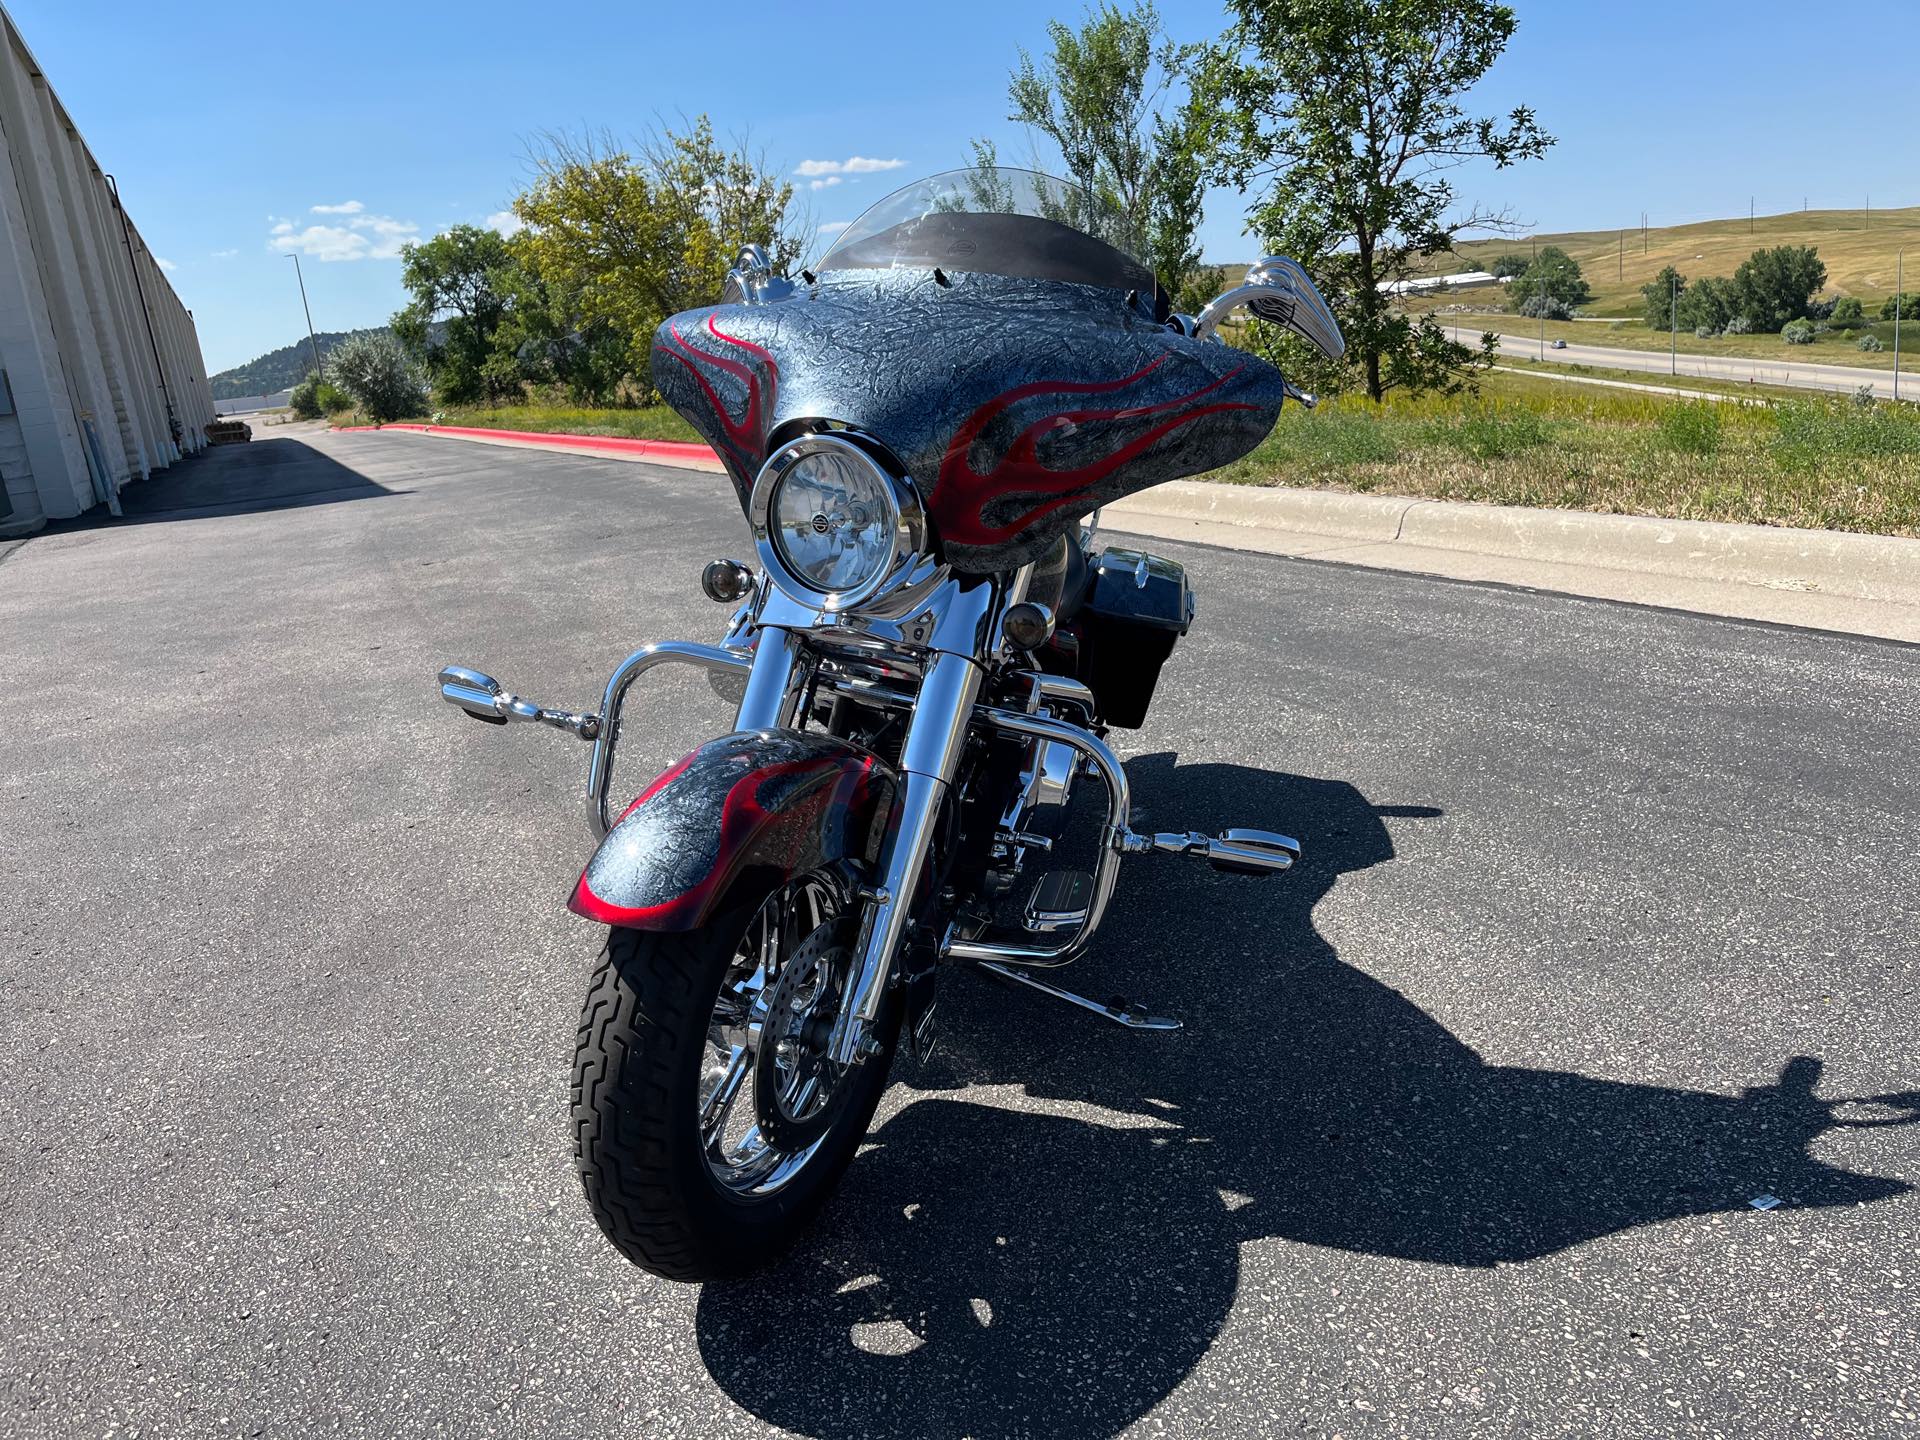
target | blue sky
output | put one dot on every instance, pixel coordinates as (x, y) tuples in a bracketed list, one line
[(224, 121)]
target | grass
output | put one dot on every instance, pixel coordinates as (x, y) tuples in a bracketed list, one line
[(1813, 461)]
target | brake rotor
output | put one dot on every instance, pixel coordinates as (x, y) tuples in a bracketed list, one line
[(797, 1089)]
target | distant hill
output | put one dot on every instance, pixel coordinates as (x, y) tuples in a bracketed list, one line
[(1858, 250), (279, 369)]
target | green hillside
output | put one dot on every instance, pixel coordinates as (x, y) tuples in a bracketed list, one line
[(279, 369)]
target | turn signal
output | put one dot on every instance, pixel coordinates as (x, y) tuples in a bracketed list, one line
[(1027, 625), (726, 581)]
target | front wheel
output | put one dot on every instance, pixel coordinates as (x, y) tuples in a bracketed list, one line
[(709, 1124)]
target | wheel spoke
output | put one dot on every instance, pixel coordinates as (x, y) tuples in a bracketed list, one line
[(718, 1104)]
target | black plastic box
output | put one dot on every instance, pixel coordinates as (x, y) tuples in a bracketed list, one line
[(1137, 605)]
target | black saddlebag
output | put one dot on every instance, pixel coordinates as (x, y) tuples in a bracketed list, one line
[(1136, 606)]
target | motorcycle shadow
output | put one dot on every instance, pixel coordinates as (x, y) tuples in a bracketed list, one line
[(994, 1268)]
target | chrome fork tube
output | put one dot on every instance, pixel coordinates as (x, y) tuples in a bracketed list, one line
[(774, 682), (936, 733)]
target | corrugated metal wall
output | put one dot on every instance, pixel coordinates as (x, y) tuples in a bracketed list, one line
[(103, 377)]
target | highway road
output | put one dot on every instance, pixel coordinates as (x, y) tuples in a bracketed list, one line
[(1846, 379), (1606, 928)]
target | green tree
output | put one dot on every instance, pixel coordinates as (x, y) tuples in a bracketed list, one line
[(1658, 295), (1505, 267), (469, 277), (1710, 303), (1907, 306), (1552, 273), (1103, 94), (1349, 113), (1774, 286), (629, 237), (1848, 311), (376, 372)]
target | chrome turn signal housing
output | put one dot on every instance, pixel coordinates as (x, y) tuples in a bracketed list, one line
[(1028, 625), (727, 581)]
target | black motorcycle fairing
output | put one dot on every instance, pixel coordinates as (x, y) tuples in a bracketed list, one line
[(1025, 247), (1017, 405)]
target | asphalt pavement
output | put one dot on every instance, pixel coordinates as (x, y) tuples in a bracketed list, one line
[(1606, 929), (1789, 370)]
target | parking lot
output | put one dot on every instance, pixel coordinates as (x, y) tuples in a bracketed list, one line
[(1607, 926)]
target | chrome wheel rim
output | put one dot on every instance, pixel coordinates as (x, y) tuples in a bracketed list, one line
[(739, 1156)]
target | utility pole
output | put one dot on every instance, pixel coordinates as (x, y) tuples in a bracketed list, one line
[(1673, 327), (1621, 271), (1749, 214), (309, 311), (1541, 295), (1899, 278)]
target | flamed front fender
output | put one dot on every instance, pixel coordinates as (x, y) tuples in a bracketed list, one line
[(752, 809)]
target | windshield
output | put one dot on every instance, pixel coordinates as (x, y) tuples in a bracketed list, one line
[(1001, 221)]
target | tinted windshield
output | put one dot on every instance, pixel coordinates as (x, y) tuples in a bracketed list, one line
[(1001, 221)]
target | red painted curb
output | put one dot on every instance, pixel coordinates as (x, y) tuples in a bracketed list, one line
[(681, 450)]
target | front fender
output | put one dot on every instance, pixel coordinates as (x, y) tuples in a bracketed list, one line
[(755, 808)]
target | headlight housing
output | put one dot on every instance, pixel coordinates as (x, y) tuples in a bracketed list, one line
[(834, 525)]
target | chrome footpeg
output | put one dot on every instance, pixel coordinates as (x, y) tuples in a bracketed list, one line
[(1059, 902), (1119, 1011), (1236, 852), (484, 698)]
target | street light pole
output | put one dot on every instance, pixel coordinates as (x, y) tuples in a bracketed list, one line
[(1673, 327), (309, 312), (1899, 278)]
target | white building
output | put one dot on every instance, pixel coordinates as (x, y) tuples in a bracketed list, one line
[(1426, 284), (101, 380)]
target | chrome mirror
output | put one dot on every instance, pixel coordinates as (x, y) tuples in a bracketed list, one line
[(751, 281), (1278, 291)]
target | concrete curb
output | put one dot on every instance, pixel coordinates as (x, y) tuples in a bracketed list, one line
[(1830, 562), (1829, 579)]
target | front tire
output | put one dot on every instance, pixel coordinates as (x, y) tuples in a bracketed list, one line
[(657, 1018)]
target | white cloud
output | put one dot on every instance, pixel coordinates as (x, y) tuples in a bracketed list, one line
[(823, 182), (225, 254), (834, 227), (165, 264), (362, 237), (505, 222), (856, 165)]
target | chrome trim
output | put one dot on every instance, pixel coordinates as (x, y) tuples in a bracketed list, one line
[(751, 281), (661, 652), (907, 522), (484, 698), (929, 756), (1237, 849), (1113, 841), (1280, 292)]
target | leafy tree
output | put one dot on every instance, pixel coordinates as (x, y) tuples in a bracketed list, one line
[(469, 276), (304, 399), (1505, 267), (1775, 285), (1541, 305), (1909, 306), (1552, 273), (1658, 293), (376, 372), (1349, 112), (1102, 94), (1709, 304), (630, 237)]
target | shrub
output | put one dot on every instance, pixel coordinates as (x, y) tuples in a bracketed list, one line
[(1704, 332), (377, 374), (1821, 309), (1871, 344), (1847, 310), (1909, 306), (1797, 332), (1692, 427), (305, 399), (1539, 307), (1738, 325), (1812, 432)]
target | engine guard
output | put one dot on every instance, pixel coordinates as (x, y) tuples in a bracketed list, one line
[(755, 809)]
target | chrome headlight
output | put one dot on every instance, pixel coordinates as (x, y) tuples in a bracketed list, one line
[(833, 524)]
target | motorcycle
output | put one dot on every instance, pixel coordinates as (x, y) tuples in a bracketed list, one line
[(926, 662)]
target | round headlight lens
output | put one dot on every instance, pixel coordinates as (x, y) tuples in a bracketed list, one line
[(834, 520)]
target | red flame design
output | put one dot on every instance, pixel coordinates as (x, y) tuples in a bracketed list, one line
[(963, 491), (745, 436)]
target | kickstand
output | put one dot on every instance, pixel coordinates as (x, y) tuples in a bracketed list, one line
[(1120, 1012)]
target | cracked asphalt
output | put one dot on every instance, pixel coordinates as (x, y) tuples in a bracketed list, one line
[(1606, 928)]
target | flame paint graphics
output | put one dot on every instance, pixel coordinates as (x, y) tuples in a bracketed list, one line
[(963, 492), (745, 438), (768, 815)]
